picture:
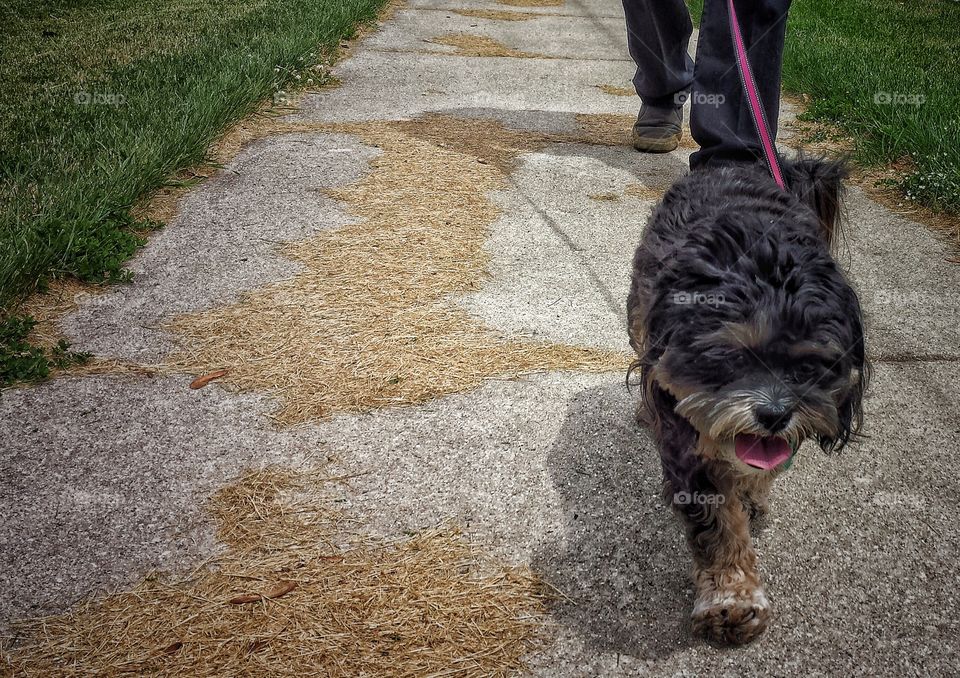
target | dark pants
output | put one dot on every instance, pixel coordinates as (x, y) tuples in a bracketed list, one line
[(658, 33)]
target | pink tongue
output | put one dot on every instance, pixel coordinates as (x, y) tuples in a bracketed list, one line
[(764, 453)]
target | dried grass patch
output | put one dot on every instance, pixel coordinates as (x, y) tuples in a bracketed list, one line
[(321, 603), (634, 190), (616, 91), (496, 14), (644, 192), (532, 3), (370, 321), (481, 46), (687, 141), (61, 297), (47, 307), (607, 129)]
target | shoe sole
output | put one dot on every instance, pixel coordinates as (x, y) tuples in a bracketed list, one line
[(656, 145)]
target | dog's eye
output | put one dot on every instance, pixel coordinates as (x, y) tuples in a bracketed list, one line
[(805, 371), (737, 361)]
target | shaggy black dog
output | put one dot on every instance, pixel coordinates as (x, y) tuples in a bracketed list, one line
[(749, 341)]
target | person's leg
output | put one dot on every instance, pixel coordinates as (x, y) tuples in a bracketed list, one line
[(720, 120), (658, 32)]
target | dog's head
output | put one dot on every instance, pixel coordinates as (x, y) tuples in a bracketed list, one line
[(758, 337)]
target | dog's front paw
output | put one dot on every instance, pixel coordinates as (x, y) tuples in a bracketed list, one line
[(731, 615)]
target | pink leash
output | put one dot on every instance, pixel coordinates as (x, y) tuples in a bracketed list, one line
[(753, 98)]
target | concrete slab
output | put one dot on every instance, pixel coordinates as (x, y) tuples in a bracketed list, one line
[(561, 259), (578, 8), (562, 37), (909, 291), (395, 85)]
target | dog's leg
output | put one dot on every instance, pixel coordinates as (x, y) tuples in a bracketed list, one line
[(755, 495), (731, 606)]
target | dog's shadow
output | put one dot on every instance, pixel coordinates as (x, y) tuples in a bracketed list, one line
[(621, 563)]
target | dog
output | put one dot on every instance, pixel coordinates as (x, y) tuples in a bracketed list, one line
[(749, 341)]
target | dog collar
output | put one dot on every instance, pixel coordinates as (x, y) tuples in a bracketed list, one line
[(789, 462)]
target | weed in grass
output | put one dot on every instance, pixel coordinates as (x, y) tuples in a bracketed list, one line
[(22, 362)]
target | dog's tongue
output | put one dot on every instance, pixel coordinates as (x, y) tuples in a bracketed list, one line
[(765, 453)]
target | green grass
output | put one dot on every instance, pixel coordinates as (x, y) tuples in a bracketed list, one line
[(102, 101), (888, 73)]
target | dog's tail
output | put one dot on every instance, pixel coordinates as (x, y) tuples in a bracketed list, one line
[(818, 182)]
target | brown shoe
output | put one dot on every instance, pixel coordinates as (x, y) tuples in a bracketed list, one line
[(658, 130)]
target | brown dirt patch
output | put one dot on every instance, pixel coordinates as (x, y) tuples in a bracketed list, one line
[(686, 140), (816, 137), (324, 602), (369, 323)]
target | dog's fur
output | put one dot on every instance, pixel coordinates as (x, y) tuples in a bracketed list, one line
[(736, 307)]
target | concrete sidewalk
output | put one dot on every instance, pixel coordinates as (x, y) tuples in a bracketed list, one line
[(101, 477)]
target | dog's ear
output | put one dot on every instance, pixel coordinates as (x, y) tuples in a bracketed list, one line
[(818, 182), (850, 406)]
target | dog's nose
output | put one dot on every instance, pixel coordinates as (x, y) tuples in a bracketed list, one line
[(772, 417)]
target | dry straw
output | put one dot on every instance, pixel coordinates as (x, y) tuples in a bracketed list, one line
[(481, 46), (290, 596), (532, 3), (370, 321), (617, 91), (644, 192), (496, 14)]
